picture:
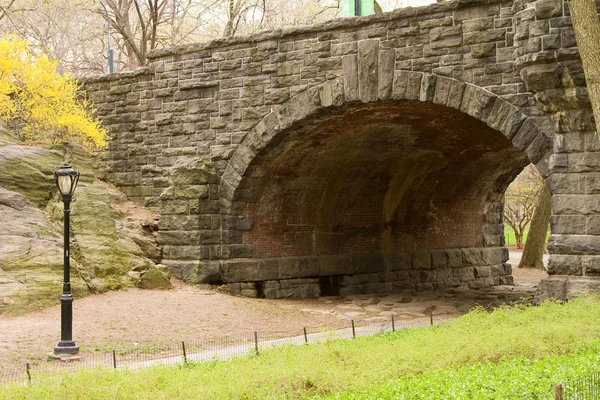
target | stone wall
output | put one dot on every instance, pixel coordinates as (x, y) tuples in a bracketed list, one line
[(548, 59), (367, 272), (252, 148)]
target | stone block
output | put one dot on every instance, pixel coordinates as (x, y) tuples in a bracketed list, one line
[(541, 77), (552, 288), (239, 251), (564, 265), (367, 262), (478, 25), (477, 102), (413, 87), (492, 35), (359, 279), (464, 274), (248, 289), (350, 74), (497, 270), (561, 183), (205, 237), (336, 264), (442, 90), (492, 255), (454, 258), (268, 269), (400, 85), (368, 57), (580, 286), (545, 9), (591, 183), (400, 262), (455, 97), (421, 260), (208, 272), (574, 244), (439, 259), (592, 225), (164, 237), (564, 224), (429, 276), (483, 272), (507, 119), (299, 267), (385, 73), (591, 265), (472, 256), (427, 88), (240, 270)]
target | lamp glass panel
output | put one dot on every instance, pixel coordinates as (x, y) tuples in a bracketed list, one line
[(74, 184), (64, 184)]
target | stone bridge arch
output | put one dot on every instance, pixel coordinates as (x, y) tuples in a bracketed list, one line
[(314, 251), (190, 132)]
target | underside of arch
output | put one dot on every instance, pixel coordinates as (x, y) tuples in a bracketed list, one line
[(374, 197)]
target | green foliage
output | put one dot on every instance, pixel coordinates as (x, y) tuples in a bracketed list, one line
[(508, 380), (510, 239), (467, 350)]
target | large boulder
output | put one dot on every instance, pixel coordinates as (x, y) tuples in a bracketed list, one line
[(109, 256), (113, 241), (31, 257)]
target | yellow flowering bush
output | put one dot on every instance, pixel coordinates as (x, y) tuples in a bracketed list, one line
[(44, 103)]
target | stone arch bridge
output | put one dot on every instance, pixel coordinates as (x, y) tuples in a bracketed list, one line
[(362, 154)]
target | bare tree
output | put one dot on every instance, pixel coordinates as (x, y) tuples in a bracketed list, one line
[(67, 30), (533, 253), (5, 8), (520, 200)]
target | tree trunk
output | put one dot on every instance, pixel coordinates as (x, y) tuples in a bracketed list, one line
[(587, 34), (533, 254), (519, 240)]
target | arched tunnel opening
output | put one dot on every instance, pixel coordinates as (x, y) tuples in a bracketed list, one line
[(377, 197)]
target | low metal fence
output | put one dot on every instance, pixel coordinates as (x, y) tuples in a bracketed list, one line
[(208, 349), (584, 388)]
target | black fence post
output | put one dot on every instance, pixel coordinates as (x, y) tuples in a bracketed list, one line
[(256, 342), (114, 359), (184, 353), (28, 368), (430, 317), (305, 336), (353, 330), (393, 325)]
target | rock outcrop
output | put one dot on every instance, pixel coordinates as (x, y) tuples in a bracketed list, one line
[(113, 242)]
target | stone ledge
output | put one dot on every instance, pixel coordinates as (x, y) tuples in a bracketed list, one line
[(564, 287)]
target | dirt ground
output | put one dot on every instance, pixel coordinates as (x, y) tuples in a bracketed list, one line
[(124, 319)]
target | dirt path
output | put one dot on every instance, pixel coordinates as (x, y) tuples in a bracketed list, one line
[(124, 319)]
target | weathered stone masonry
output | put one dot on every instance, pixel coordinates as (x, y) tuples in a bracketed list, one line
[(362, 154)]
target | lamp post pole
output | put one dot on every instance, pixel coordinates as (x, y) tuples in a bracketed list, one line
[(110, 51), (66, 180)]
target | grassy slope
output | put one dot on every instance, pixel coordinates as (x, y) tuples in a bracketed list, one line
[(318, 370)]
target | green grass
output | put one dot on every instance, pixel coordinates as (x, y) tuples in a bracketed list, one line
[(511, 240), (508, 380), (471, 348)]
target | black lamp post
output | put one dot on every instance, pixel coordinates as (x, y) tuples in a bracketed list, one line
[(66, 180)]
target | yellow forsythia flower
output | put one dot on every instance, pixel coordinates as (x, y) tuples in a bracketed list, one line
[(44, 102)]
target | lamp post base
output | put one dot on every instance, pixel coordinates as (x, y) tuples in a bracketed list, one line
[(66, 347)]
